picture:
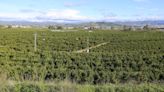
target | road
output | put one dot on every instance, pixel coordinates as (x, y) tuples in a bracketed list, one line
[(87, 49)]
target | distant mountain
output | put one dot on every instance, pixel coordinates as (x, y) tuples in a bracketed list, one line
[(142, 23), (26, 23), (82, 24), (102, 24), (107, 24)]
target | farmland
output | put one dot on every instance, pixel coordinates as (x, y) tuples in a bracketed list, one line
[(100, 61)]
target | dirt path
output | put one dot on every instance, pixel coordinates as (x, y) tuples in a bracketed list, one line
[(87, 49)]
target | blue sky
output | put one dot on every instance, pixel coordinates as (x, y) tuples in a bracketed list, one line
[(81, 10)]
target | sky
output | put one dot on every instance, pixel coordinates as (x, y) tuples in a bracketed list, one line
[(81, 10)]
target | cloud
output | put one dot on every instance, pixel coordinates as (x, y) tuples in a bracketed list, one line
[(49, 15), (67, 14), (148, 17), (27, 10), (148, 9), (133, 18), (72, 15)]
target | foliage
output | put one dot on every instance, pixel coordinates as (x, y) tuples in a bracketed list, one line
[(47, 87), (129, 57)]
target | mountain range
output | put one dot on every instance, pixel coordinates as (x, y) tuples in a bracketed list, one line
[(117, 23)]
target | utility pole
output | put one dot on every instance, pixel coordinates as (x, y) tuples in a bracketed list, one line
[(88, 44), (35, 42)]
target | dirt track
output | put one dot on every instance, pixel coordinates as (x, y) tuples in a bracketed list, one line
[(86, 49)]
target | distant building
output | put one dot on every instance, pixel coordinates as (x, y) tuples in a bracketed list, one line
[(86, 28), (20, 26), (69, 28)]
